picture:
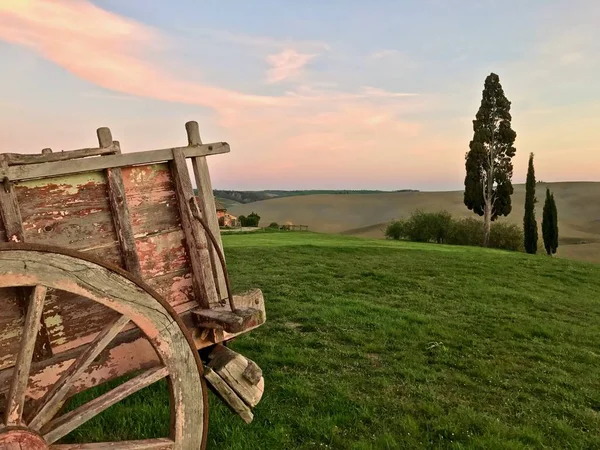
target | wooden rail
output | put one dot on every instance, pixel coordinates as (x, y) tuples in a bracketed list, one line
[(55, 168)]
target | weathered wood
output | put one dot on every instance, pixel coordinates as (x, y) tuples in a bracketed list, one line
[(227, 394), (15, 159), (232, 322), (252, 373), (53, 401), (251, 299), (195, 240), (207, 202), (21, 439), (11, 324), (50, 169), (9, 207), (127, 353), (118, 207), (145, 444), (233, 369), (66, 423), (113, 289), (16, 395)]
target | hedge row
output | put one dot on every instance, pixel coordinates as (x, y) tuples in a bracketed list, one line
[(442, 228)]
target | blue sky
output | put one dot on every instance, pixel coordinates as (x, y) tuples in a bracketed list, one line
[(312, 94)]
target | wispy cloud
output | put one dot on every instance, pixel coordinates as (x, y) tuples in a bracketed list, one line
[(261, 42), (112, 52), (286, 64)]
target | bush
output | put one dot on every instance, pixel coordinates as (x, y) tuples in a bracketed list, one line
[(466, 231), (395, 230), (249, 221), (274, 225), (506, 236), (441, 228), (427, 227)]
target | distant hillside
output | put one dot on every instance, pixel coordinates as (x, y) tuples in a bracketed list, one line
[(367, 215), (257, 196)]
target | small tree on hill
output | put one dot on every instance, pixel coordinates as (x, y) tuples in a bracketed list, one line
[(550, 224), (530, 229), (488, 164), (251, 220)]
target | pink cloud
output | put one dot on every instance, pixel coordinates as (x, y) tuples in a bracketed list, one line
[(112, 52), (286, 64)]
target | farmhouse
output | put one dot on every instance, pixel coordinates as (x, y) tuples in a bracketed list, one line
[(225, 219)]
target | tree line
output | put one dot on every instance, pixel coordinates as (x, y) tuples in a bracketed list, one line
[(489, 171)]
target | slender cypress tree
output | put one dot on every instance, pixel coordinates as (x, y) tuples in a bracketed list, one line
[(550, 224), (488, 164), (530, 229)]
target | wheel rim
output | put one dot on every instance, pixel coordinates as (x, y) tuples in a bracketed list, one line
[(44, 268)]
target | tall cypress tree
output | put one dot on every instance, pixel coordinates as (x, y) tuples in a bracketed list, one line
[(488, 163), (530, 230), (550, 224)]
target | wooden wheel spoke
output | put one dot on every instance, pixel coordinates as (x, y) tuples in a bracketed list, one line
[(33, 320), (146, 444), (54, 399), (66, 423)]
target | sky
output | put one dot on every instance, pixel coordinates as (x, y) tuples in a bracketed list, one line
[(317, 94)]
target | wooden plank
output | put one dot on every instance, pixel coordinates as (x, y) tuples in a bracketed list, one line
[(232, 322), (54, 400), (14, 159), (66, 423), (195, 240), (119, 209), (151, 198), (10, 215), (145, 444), (207, 203), (241, 374), (11, 324), (227, 394), (72, 212), (16, 395), (9, 207), (50, 169)]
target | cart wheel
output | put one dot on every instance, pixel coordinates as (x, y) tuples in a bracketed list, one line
[(41, 268)]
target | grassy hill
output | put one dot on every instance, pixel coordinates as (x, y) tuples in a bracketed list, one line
[(373, 344), (367, 215)]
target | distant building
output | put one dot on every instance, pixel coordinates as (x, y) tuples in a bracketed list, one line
[(225, 219)]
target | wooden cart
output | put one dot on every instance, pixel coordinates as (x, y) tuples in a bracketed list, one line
[(112, 266)]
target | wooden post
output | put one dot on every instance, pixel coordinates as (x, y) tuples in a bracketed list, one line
[(207, 203), (196, 243), (9, 208), (118, 206)]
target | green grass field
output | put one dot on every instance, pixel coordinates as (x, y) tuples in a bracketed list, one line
[(375, 344)]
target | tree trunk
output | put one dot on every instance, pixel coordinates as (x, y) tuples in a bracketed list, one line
[(487, 223)]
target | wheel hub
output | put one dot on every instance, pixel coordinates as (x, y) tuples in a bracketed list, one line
[(21, 439)]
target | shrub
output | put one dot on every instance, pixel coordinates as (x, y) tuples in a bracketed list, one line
[(249, 221), (274, 225), (506, 236), (395, 230), (466, 231), (441, 228), (428, 227)]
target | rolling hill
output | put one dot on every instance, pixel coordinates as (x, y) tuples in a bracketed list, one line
[(367, 215)]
